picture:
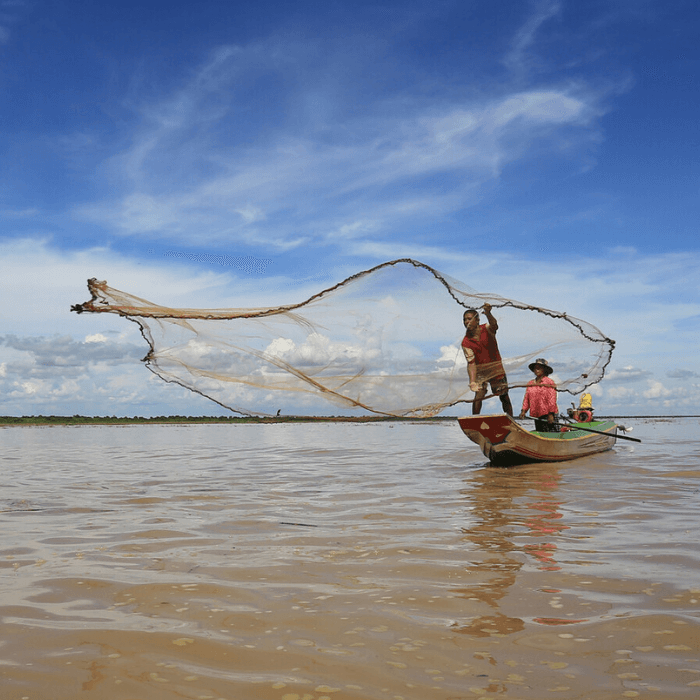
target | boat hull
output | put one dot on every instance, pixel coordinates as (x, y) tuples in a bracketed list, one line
[(506, 444)]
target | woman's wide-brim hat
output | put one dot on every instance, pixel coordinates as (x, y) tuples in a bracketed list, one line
[(542, 363)]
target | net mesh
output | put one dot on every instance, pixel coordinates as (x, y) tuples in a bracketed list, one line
[(386, 340)]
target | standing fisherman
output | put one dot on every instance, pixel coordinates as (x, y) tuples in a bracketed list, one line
[(484, 360)]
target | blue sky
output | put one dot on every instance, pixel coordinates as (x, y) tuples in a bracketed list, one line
[(544, 151)]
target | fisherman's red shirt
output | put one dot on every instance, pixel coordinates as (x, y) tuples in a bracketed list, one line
[(484, 346)]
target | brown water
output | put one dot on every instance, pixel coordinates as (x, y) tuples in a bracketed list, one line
[(344, 561)]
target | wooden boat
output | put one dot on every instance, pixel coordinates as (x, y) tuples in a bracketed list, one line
[(505, 443)]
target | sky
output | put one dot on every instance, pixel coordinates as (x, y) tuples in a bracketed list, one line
[(240, 153)]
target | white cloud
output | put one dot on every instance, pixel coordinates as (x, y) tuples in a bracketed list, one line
[(451, 356), (29, 388), (628, 374), (319, 350), (657, 390), (45, 345), (188, 174), (654, 397), (40, 283), (518, 58), (621, 393)]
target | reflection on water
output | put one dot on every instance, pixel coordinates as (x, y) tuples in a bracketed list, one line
[(545, 520), (506, 505), (290, 562), (493, 497)]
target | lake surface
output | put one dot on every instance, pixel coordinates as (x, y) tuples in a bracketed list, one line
[(344, 561)]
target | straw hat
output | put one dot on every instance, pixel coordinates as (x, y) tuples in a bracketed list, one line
[(542, 363)]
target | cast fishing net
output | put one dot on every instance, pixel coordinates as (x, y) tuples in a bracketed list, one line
[(386, 340)]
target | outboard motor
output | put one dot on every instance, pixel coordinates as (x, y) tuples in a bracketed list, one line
[(584, 412)]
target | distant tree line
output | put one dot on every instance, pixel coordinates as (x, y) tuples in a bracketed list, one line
[(126, 420)]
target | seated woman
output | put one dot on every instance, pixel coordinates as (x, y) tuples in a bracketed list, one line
[(541, 398)]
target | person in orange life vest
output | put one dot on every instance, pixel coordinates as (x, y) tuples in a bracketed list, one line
[(484, 360), (541, 398)]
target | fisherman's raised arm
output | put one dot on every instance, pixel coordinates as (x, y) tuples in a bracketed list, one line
[(493, 324)]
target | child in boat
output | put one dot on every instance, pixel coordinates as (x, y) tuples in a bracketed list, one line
[(541, 398)]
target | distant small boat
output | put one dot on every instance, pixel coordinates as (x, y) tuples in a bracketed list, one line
[(505, 443)]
